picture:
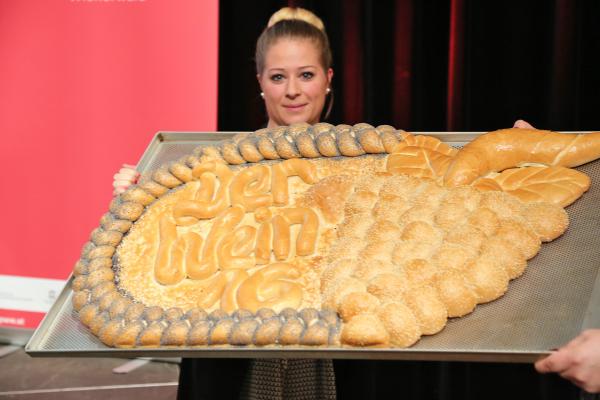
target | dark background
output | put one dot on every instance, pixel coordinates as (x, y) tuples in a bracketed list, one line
[(453, 65)]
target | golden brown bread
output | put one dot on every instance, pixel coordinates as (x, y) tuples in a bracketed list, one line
[(181, 171), (426, 142), (556, 185), (365, 330), (507, 148), (418, 161)]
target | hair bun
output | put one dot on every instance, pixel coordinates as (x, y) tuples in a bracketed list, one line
[(291, 13)]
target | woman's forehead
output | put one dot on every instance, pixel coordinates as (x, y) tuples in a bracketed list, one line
[(288, 53)]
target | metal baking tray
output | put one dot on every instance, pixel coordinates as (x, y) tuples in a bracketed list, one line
[(556, 298)]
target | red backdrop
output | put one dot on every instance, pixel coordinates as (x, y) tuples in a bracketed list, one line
[(84, 86)]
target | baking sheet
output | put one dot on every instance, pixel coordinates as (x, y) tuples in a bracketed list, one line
[(556, 298)]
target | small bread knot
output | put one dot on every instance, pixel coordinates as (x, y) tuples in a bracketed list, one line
[(248, 148), (181, 171), (286, 147), (347, 142), (327, 144), (230, 151), (165, 178), (365, 330)]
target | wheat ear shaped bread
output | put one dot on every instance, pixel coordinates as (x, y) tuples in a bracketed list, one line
[(506, 148)]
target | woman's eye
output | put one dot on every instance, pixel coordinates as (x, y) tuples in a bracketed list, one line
[(307, 75), (276, 77)]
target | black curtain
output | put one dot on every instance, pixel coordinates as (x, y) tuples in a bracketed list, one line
[(454, 65)]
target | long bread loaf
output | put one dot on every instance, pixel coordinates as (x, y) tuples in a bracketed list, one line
[(506, 148)]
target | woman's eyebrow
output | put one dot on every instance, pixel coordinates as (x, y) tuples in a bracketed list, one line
[(279, 70), (284, 69)]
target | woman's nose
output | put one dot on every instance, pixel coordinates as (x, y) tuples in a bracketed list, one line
[(293, 88)]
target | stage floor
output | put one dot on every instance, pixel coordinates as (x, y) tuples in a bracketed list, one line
[(24, 377)]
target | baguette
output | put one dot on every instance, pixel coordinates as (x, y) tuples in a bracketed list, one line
[(506, 148)]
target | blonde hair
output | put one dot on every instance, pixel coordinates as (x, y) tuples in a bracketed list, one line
[(298, 13), (293, 23)]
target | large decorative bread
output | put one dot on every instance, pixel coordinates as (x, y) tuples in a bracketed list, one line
[(322, 236)]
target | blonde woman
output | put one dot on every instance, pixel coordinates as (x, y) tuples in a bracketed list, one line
[(293, 68)]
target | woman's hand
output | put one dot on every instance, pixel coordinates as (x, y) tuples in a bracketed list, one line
[(522, 124), (126, 177), (578, 361)]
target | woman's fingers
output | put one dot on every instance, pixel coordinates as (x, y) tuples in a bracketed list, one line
[(118, 190), (578, 361), (558, 362), (126, 177), (522, 124), (121, 183), (128, 172)]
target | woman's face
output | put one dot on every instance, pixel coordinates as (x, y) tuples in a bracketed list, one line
[(294, 82)]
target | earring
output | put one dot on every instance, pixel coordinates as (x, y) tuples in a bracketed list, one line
[(262, 94), (327, 90)]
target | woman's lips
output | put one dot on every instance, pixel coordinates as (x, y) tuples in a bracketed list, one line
[(295, 107)]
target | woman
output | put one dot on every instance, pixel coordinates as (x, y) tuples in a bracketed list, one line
[(293, 65)]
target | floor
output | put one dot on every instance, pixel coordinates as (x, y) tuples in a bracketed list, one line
[(25, 378)]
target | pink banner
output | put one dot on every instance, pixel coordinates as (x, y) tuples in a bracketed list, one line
[(84, 86)]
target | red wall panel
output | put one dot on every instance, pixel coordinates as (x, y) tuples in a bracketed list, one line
[(84, 85)]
